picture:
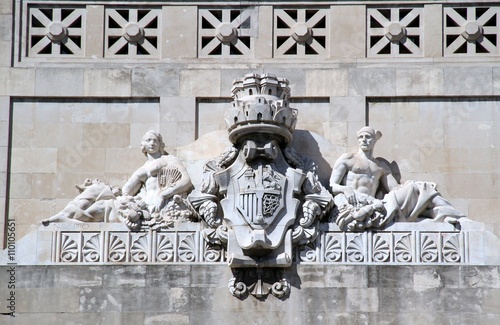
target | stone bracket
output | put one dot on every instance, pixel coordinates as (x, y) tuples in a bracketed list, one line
[(258, 282)]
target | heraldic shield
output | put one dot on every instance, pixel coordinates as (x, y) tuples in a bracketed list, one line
[(261, 195), (260, 209)]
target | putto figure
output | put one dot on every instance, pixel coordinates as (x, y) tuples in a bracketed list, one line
[(367, 195)]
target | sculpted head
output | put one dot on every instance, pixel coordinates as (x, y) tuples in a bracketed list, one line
[(152, 142), (367, 137)]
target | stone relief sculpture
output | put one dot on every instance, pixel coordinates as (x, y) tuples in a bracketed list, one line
[(367, 195), (270, 195), (260, 204), (162, 183), (95, 203), (154, 196)]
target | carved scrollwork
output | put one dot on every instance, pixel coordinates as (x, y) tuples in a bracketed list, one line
[(451, 249), (280, 288), (212, 253), (308, 253), (381, 249), (139, 249), (333, 249), (355, 249), (69, 249), (117, 249), (429, 252), (164, 249), (237, 288), (301, 235), (91, 249), (403, 249), (187, 249)]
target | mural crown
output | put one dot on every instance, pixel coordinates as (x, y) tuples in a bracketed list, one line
[(261, 106)]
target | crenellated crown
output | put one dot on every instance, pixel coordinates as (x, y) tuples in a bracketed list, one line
[(261, 106)]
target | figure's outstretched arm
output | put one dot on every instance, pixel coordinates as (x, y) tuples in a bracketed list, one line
[(134, 184)]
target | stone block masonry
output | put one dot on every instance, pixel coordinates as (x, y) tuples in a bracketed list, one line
[(196, 294)]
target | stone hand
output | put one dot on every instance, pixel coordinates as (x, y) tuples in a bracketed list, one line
[(350, 196)]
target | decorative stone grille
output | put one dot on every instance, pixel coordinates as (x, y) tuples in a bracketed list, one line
[(394, 32), (132, 32), (300, 32), (59, 30), (56, 32), (471, 30), (225, 32)]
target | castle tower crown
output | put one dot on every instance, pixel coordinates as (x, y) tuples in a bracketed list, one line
[(261, 106)]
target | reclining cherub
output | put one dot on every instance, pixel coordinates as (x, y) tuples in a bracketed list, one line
[(99, 202)]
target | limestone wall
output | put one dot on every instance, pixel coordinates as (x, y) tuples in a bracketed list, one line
[(181, 294), (79, 111)]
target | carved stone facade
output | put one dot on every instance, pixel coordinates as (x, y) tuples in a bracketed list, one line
[(400, 245), (56, 29), (132, 32), (471, 30), (260, 206), (83, 81), (394, 31)]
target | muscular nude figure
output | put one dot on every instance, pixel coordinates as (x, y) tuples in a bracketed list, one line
[(361, 173), (359, 182)]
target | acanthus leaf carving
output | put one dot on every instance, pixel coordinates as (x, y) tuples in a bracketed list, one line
[(429, 251), (451, 249), (212, 253), (164, 249), (403, 249), (355, 249), (187, 249), (381, 249), (117, 249), (139, 249), (308, 253), (91, 249), (69, 249), (333, 249)]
